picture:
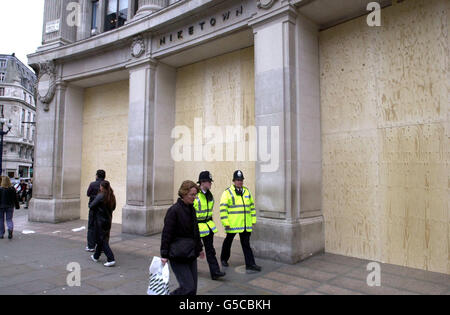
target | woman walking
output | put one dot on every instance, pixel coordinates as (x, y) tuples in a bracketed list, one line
[(8, 201), (180, 240), (103, 206)]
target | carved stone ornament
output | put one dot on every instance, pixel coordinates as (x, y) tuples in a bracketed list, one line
[(138, 46), (265, 4), (46, 83)]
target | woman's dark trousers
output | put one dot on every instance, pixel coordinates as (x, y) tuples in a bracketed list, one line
[(103, 243), (187, 276)]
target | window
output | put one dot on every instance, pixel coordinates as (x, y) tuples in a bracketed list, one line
[(2, 63), (2, 91), (31, 100), (2, 76), (94, 26), (136, 6), (2, 108), (24, 96), (22, 129), (28, 125), (116, 14)]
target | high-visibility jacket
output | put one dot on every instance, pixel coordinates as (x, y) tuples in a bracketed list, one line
[(204, 210), (237, 212)]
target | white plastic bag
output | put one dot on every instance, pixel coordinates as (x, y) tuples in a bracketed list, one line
[(159, 278)]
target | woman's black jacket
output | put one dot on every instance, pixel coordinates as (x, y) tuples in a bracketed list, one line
[(8, 198), (180, 222), (102, 212)]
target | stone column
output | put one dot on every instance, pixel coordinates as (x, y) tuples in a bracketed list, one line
[(56, 30), (84, 30), (57, 167), (150, 168), (150, 6), (284, 195)]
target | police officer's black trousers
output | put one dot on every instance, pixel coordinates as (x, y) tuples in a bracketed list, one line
[(210, 252), (245, 243)]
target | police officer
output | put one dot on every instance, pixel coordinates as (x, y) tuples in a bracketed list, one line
[(204, 204), (238, 215)]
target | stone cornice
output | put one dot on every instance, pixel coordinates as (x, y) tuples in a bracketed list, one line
[(286, 13), (148, 23), (17, 100), (146, 62)]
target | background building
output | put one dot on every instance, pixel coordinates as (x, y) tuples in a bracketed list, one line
[(17, 104), (363, 117)]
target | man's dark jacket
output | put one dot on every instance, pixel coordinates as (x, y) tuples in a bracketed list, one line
[(93, 189), (180, 222)]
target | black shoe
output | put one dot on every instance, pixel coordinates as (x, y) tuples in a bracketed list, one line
[(254, 268), (1, 237), (10, 232), (218, 275), (224, 263)]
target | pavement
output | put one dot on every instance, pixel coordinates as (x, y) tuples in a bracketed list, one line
[(36, 264)]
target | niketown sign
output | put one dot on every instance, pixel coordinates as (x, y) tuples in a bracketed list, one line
[(201, 27)]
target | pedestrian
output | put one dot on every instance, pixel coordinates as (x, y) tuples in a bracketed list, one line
[(238, 215), (23, 190), (103, 206), (29, 193), (180, 240), (92, 192), (204, 204), (8, 201)]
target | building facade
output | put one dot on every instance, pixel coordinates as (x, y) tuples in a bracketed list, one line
[(351, 119), (18, 106)]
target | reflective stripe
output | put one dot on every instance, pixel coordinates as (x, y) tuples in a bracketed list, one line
[(240, 228), (206, 232), (225, 211), (223, 205), (222, 218), (232, 196), (239, 212), (247, 197), (237, 206), (202, 211), (199, 204)]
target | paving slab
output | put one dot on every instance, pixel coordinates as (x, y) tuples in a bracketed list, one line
[(37, 264)]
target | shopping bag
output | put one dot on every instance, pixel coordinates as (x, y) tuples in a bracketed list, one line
[(159, 278)]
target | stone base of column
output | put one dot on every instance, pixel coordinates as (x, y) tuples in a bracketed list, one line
[(54, 210), (288, 242), (143, 220)]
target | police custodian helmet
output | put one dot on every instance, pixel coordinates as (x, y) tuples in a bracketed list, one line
[(204, 176), (238, 175)]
